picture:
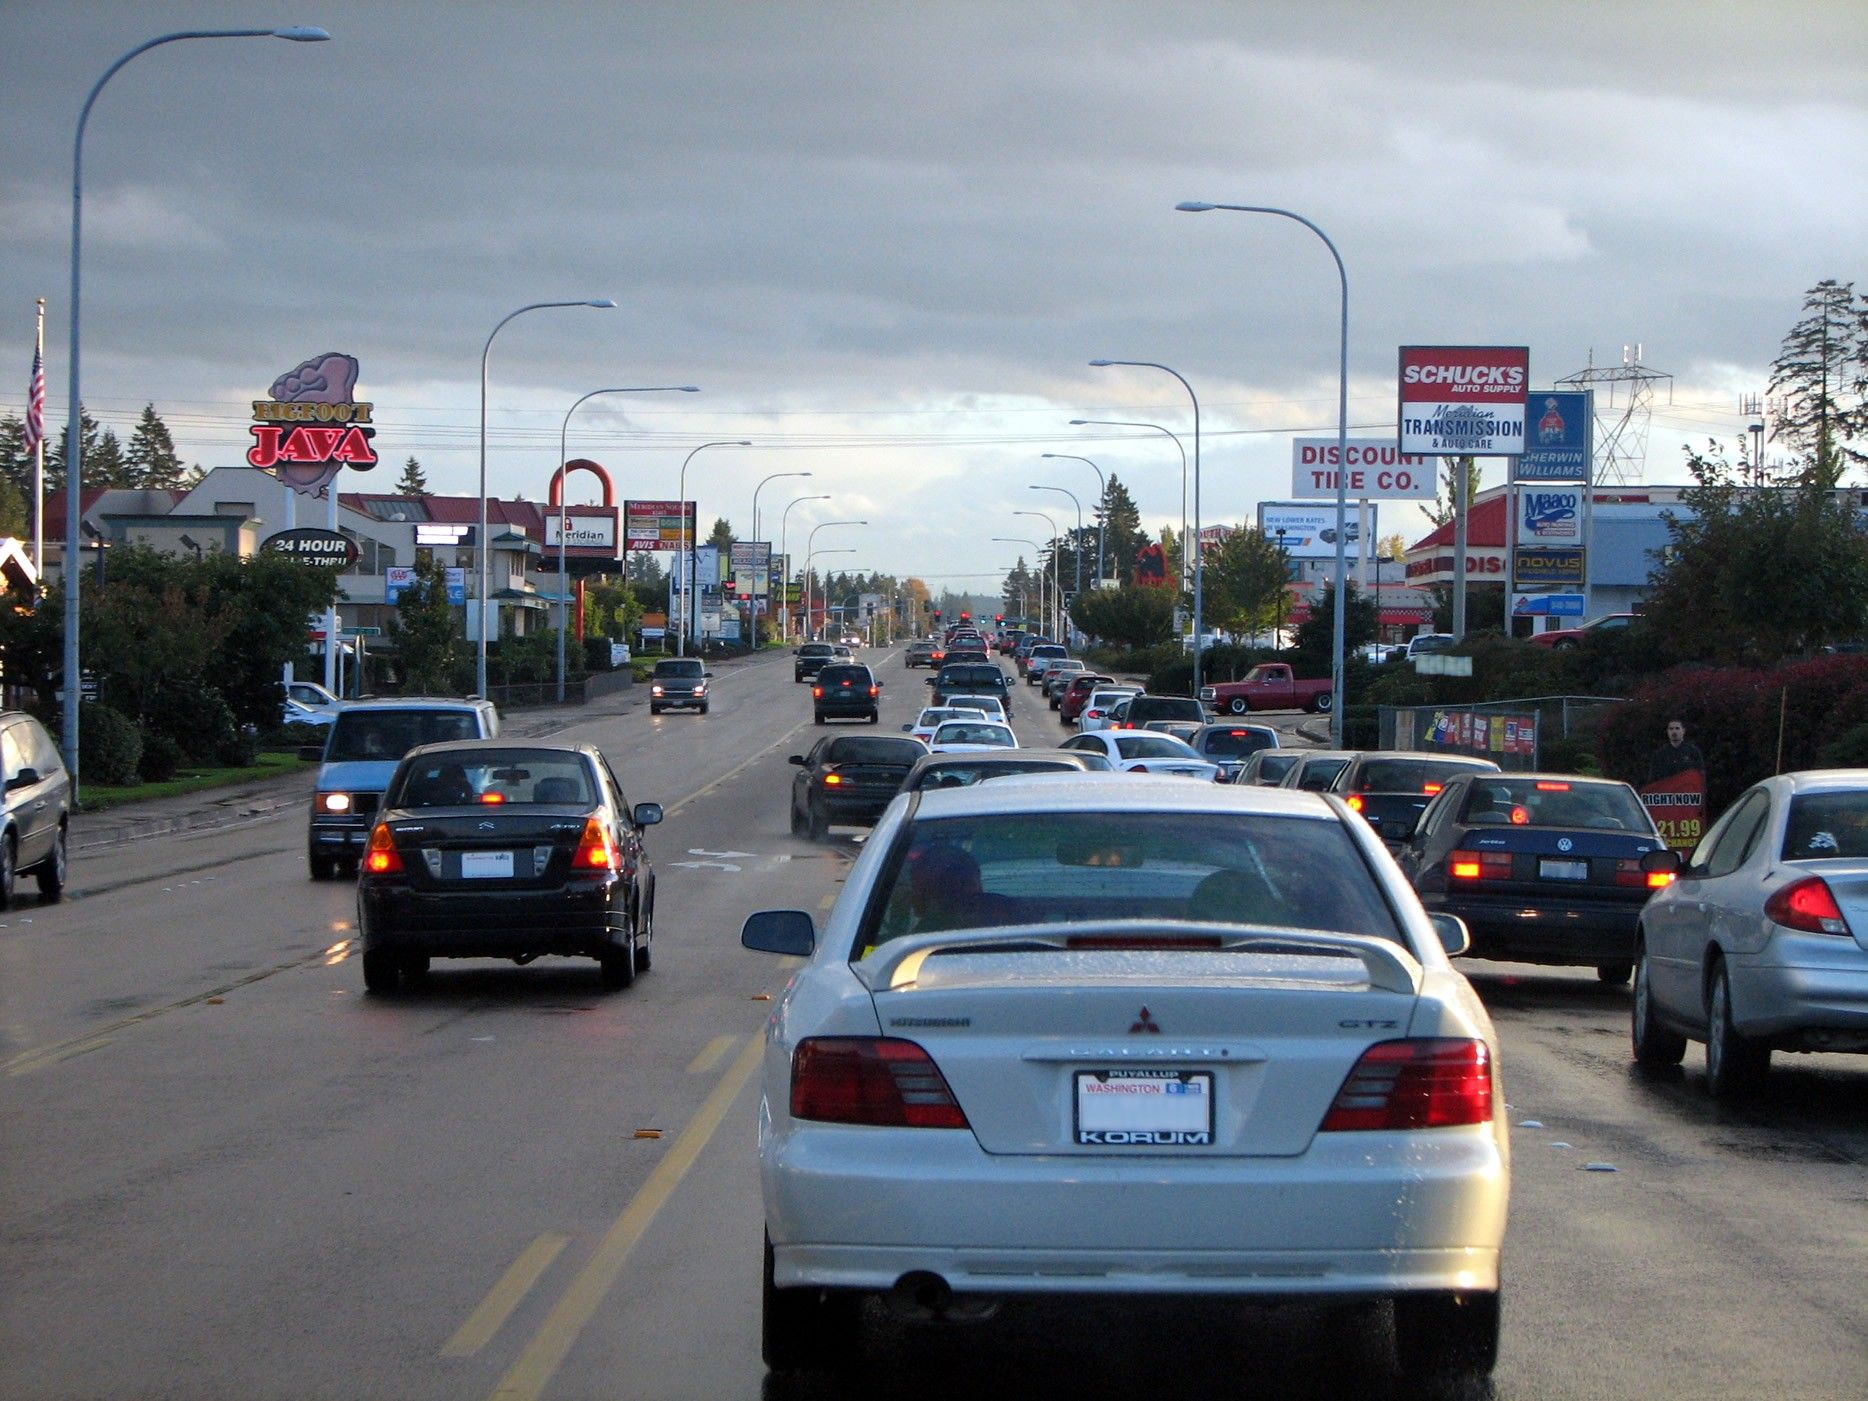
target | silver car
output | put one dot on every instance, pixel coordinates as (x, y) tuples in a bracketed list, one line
[(1116, 1035), (1761, 943)]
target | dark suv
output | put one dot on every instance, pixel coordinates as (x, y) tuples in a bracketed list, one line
[(972, 678), (1143, 709), (843, 690), (810, 659), (678, 683)]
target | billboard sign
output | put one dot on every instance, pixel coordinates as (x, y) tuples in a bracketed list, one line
[(656, 525), (583, 530), (751, 565), (312, 425), (1463, 400), (320, 548), (1304, 530), (1550, 515), (432, 535), (1378, 470), (398, 577), (1547, 565), (1558, 441), (1546, 605)]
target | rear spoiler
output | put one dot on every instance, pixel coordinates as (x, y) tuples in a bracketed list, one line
[(897, 964)]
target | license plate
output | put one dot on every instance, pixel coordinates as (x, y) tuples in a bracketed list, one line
[(1563, 870), (486, 865), (1145, 1108)]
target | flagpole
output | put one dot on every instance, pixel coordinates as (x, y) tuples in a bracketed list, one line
[(38, 465)]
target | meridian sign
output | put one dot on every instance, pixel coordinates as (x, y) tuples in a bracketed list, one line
[(1463, 400), (1378, 470), (582, 531)]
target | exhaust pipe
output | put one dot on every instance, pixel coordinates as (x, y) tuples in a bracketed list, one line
[(921, 1294)]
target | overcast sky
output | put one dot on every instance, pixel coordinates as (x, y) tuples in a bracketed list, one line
[(885, 238)]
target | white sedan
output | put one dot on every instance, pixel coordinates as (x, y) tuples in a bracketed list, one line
[(932, 717), (1096, 1035), (1147, 751), (1095, 713), (964, 736)]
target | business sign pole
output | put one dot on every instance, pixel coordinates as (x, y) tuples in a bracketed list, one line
[(1558, 448)]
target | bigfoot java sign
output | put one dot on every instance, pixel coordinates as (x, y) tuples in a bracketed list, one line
[(313, 427)]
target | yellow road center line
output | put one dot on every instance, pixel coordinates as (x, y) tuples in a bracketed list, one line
[(711, 1055), (505, 1296), (529, 1376), (828, 900)]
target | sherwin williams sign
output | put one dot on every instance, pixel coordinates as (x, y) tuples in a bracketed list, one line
[(1378, 470), (1463, 400), (313, 426), (1557, 445)]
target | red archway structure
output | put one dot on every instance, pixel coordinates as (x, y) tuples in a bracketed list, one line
[(556, 497)]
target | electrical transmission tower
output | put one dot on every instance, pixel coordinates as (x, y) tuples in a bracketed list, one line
[(1624, 405)]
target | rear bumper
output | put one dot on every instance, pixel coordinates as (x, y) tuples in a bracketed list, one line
[(1807, 992), (854, 807), (338, 837), (585, 918), (1530, 929)]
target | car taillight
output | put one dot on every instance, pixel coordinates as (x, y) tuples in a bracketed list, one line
[(1479, 865), (874, 691), (595, 851), (1354, 801), (817, 692), (1808, 905), (1429, 1083), (382, 859), (1092, 715), (1628, 872), (1430, 788), (866, 1080)]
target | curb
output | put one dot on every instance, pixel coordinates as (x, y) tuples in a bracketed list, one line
[(243, 808)]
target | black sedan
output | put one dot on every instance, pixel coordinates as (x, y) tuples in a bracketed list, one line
[(1544, 868), (849, 779), (1391, 788), (486, 849)]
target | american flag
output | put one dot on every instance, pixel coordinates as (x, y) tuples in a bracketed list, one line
[(35, 403)]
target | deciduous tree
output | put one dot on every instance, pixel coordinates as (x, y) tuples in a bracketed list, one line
[(1127, 617)]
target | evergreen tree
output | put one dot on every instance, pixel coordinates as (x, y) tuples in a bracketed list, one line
[(413, 481), (15, 461), (15, 520), (426, 631), (1122, 529), (642, 567), (1821, 375), (150, 459), (103, 455), (1316, 635), (721, 537), (1245, 575)]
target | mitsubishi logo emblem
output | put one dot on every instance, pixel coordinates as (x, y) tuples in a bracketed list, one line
[(1143, 1023)]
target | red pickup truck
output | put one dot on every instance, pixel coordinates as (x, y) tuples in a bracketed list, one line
[(1267, 686)]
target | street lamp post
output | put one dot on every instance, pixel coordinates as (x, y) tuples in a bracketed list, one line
[(753, 608), (74, 437), (564, 578), (481, 542), (1102, 494), (810, 542), (1342, 435), (1077, 548), (1179, 447), (1199, 565), (784, 612), (689, 575), (1035, 551), (1054, 623)]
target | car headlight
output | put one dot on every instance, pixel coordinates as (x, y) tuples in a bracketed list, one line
[(655, 690), (333, 802)]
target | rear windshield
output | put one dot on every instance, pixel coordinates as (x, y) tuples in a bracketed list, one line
[(1519, 802), (1319, 774), (389, 734), (1005, 868), (1275, 766), (991, 705), (986, 675), (1155, 746), (875, 750), (1824, 825), (686, 666), (973, 732), (494, 778), (1236, 743), (1405, 775), (1165, 708), (966, 775), (837, 675), (1050, 650)]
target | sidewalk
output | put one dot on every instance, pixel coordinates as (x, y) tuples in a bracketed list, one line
[(249, 802)]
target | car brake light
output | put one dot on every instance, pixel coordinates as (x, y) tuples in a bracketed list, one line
[(1544, 787), (1808, 905), (874, 690), (382, 859), (865, 1080), (1479, 865), (817, 692), (1430, 787), (1092, 714), (1236, 734), (1354, 800), (594, 850), (1427, 1083), (492, 798)]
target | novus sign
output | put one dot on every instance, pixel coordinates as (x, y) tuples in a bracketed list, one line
[(1463, 400)]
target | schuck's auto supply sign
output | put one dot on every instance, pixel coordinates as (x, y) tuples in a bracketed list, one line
[(1459, 400), (1378, 470)]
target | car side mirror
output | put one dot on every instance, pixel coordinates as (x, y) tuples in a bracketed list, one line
[(1666, 861), (1455, 938), (706, 676), (880, 685), (25, 778), (646, 814), (779, 931), (908, 727), (797, 759), (311, 753)]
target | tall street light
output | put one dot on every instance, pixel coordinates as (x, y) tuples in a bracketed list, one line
[(1342, 435), (1199, 566), (753, 607), (784, 610), (74, 437), (810, 544), (1179, 447), (1036, 550), (1077, 547), (564, 497), (481, 544), (689, 573), (1102, 495), (1057, 581)]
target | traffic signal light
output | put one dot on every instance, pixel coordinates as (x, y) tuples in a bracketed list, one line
[(966, 617), (998, 617), (937, 615)]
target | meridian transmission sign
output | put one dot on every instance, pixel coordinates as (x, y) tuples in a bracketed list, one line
[(1463, 400)]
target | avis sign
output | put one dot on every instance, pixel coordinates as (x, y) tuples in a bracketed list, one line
[(1463, 400), (313, 426), (1378, 470)]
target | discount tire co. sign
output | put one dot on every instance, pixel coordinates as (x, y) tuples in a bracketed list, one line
[(1464, 400)]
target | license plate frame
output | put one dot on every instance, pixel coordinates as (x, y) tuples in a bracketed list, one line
[(1560, 868), (488, 865), (1156, 1107)]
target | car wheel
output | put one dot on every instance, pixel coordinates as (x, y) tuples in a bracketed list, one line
[(806, 1330), (617, 967), (1238, 705), (703, 707), (1615, 975), (816, 827), (322, 867), (414, 966), (1733, 1064), (655, 710), (645, 931), (9, 871), (875, 717), (1446, 1336), (1655, 1046), (347, 867), (382, 971), (51, 873), (1566, 645), (1323, 703), (797, 823), (817, 717)]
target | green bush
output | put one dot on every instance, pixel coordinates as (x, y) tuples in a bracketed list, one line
[(1362, 727), (109, 746), (197, 717), (239, 750), (162, 758), (1848, 750)]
